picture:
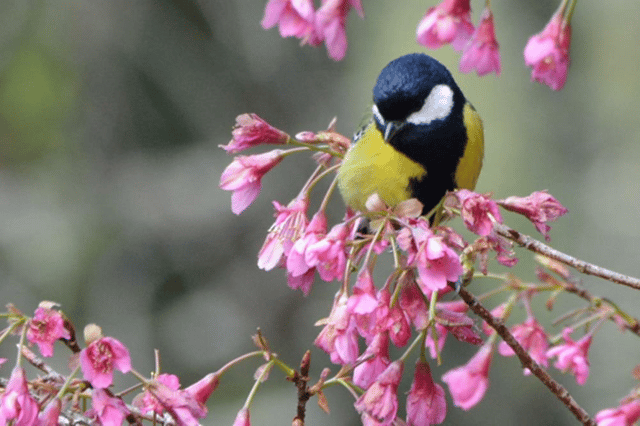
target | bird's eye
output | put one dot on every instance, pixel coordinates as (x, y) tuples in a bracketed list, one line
[(437, 106)]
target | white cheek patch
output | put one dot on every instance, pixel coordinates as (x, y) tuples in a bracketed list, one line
[(377, 115), (437, 106)]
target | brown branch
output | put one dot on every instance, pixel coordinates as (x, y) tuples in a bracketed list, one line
[(39, 363), (71, 342), (527, 362), (580, 265), (301, 381)]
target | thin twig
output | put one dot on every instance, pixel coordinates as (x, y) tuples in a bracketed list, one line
[(301, 381), (633, 326), (527, 362), (39, 363), (572, 286), (580, 265)]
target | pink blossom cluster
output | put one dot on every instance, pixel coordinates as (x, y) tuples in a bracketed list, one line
[(540, 208), (307, 247), (243, 177), (41, 402), (299, 18), (368, 314), (547, 52), (428, 261), (449, 22)]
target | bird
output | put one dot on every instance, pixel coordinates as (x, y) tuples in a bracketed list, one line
[(423, 138)]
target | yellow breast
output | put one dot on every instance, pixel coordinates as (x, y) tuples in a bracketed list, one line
[(373, 166)]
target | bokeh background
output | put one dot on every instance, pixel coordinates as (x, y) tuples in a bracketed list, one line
[(110, 117)]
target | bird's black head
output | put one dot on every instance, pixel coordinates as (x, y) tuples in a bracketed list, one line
[(405, 84)]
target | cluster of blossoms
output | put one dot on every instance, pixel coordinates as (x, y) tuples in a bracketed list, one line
[(409, 309), (446, 23), (450, 23), (412, 309), (55, 398), (298, 18)]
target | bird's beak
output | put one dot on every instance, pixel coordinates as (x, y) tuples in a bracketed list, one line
[(391, 129)]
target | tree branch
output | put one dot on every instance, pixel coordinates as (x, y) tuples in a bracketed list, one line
[(301, 381), (527, 362), (580, 265)]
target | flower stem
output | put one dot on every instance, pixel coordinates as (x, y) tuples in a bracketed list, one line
[(569, 13), (235, 361), (20, 345), (67, 382), (256, 384), (313, 147), (290, 372)]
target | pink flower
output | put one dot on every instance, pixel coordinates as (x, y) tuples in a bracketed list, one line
[(448, 22), (532, 338), (147, 402), (413, 304), (330, 24), (294, 17), (46, 326), (203, 388), (436, 262), (304, 282), (426, 403), (623, 415), (51, 413), (572, 356), (291, 222), (109, 410), (100, 358), (478, 212), (242, 419), (451, 315), (17, 404), (450, 318), (540, 207), (338, 338), (374, 361), (363, 303), (469, 382), (482, 51), (548, 52), (389, 317), (251, 130), (329, 254), (244, 177), (374, 314), (435, 340), (182, 405), (380, 401), (185, 406), (297, 264), (503, 248)]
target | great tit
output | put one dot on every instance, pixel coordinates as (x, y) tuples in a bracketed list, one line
[(423, 139)]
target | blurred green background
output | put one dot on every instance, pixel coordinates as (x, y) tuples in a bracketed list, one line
[(110, 117)]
